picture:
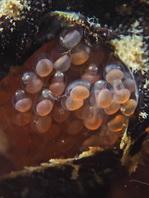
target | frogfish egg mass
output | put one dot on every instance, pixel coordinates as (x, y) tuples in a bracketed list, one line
[(76, 98), (104, 102)]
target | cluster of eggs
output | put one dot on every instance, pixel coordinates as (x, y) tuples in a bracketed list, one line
[(67, 84)]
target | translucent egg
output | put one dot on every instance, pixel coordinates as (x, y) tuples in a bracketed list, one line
[(122, 96), (117, 85), (23, 118), (104, 98), (23, 105), (90, 78), (107, 138), (92, 117), (99, 85), (112, 66), (34, 86), (70, 37), (57, 88), (113, 108), (79, 93), (129, 81), (58, 77), (130, 85), (114, 74), (21, 101), (57, 51), (72, 105), (80, 54), (59, 114), (117, 123), (44, 67), (63, 63), (92, 69), (44, 107), (58, 84), (31, 82), (42, 124), (129, 107), (78, 90), (44, 103), (91, 74)]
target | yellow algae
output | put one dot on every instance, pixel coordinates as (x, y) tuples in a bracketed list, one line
[(132, 49), (13, 8)]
